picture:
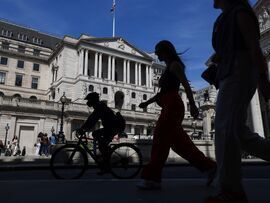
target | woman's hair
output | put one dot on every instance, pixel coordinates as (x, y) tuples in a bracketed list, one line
[(167, 46)]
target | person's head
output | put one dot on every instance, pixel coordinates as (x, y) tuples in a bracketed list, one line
[(92, 99), (167, 52), (223, 4)]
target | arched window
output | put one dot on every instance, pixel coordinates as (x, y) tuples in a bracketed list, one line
[(91, 88), (144, 97), (33, 98), (18, 96), (105, 90), (133, 95), (2, 94)]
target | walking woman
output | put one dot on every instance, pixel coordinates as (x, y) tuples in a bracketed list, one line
[(168, 132), (241, 68)]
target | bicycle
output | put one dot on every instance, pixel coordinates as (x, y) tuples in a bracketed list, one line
[(71, 161)]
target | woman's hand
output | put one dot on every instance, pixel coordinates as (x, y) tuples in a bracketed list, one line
[(143, 105), (194, 111)]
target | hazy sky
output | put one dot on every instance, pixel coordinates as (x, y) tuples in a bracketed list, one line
[(187, 23)]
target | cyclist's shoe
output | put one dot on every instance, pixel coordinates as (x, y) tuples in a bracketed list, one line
[(211, 174), (225, 197), (148, 185)]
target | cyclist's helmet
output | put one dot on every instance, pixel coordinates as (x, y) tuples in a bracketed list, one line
[(92, 97)]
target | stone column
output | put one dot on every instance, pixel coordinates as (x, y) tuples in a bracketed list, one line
[(100, 66), (96, 65), (140, 74), (136, 73), (150, 76), (86, 62), (128, 72), (113, 68), (80, 72), (125, 71), (145, 130), (256, 115), (109, 67), (132, 130), (147, 76)]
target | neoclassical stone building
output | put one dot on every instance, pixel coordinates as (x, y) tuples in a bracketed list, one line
[(36, 69)]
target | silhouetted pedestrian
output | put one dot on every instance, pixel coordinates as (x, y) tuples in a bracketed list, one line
[(241, 67), (168, 132)]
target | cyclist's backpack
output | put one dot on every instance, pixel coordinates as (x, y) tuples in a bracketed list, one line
[(121, 122)]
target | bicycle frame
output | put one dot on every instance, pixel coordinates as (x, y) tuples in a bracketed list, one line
[(81, 142)]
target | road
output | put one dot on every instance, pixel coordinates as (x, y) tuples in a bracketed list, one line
[(180, 184)]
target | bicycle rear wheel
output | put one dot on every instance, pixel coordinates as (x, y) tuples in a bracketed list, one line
[(125, 161), (68, 162)]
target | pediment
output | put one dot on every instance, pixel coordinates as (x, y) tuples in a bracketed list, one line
[(118, 44)]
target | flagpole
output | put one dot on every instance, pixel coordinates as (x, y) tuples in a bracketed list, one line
[(114, 18)]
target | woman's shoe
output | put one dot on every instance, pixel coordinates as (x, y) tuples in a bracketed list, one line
[(148, 185)]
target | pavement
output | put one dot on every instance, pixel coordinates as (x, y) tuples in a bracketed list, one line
[(42, 162)]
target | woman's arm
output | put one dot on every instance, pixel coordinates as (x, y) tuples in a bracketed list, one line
[(180, 74), (149, 101)]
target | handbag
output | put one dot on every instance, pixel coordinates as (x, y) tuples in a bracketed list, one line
[(209, 75)]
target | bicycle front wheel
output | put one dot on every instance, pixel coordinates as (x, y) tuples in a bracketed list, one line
[(125, 161), (68, 162)]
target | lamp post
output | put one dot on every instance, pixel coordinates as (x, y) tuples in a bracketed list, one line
[(61, 136), (6, 128)]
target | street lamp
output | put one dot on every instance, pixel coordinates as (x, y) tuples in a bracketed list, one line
[(61, 136), (6, 128)]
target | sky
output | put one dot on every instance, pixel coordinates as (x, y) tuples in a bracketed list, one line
[(143, 23)]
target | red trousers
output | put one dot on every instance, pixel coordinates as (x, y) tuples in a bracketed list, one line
[(169, 133)]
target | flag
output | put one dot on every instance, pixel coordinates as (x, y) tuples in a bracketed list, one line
[(113, 7)]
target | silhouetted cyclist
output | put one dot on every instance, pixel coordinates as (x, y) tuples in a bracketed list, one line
[(112, 124)]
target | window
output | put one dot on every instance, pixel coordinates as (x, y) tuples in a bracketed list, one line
[(21, 49), (7, 33), (36, 52), (4, 61), (18, 81), (5, 45), (34, 84), (133, 95), (144, 97), (36, 67), (22, 37), (91, 88), (33, 98), (20, 64), (105, 90), (2, 94), (133, 107), (145, 110), (37, 40), (2, 77)]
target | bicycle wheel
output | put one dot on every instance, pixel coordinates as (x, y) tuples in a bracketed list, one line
[(68, 162), (125, 161)]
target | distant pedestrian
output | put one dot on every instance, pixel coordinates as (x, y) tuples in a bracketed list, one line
[(14, 144), (23, 151), (241, 69), (168, 132), (52, 140)]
